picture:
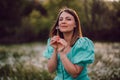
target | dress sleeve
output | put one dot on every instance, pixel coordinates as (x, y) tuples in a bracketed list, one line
[(48, 51), (83, 53)]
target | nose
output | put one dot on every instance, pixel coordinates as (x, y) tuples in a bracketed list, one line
[(63, 21)]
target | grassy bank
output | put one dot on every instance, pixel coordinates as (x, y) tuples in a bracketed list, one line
[(25, 62)]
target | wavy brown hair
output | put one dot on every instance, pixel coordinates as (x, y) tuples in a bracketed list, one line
[(77, 30)]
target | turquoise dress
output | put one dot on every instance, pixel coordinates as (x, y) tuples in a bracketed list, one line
[(82, 53)]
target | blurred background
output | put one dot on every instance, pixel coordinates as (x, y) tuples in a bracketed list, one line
[(24, 30)]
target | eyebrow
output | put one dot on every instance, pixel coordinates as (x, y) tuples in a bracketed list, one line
[(66, 17)]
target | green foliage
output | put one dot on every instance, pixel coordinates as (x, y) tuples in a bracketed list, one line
[(26, 20), (25, 62), (106, 65), (20, 73), (16, 63)]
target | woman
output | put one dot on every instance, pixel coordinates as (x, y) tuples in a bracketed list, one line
[(67, 51)]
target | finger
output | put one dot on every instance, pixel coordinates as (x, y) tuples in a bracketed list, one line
[(56, 38), (52, 41), (61, 41)]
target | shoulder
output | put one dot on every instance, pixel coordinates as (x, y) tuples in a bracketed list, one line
[(49, 50), (83, 41), (48, 40), (83, 51)]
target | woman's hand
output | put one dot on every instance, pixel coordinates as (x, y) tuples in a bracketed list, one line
[(61, 45), (53, 42), (58, 43)]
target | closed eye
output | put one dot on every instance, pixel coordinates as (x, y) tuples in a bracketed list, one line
[(60, 19), (68, 19)]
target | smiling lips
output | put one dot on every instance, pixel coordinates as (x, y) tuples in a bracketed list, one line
[(63, 26)]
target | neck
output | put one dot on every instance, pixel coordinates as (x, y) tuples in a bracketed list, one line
[(68, 37)]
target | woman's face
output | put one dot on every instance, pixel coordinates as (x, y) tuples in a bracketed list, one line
[(66, 22)]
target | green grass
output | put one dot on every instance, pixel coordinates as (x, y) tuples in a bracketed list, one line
[(22, 62), (107, 62), (25, 62)]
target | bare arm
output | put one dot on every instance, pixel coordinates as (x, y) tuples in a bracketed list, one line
[(52, 62), (73, 69)]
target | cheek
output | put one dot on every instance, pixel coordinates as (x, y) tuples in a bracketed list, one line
[(71, 28), (72, 24), (59, 22)]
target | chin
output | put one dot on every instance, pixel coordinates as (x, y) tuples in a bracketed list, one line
[(65, 30)]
